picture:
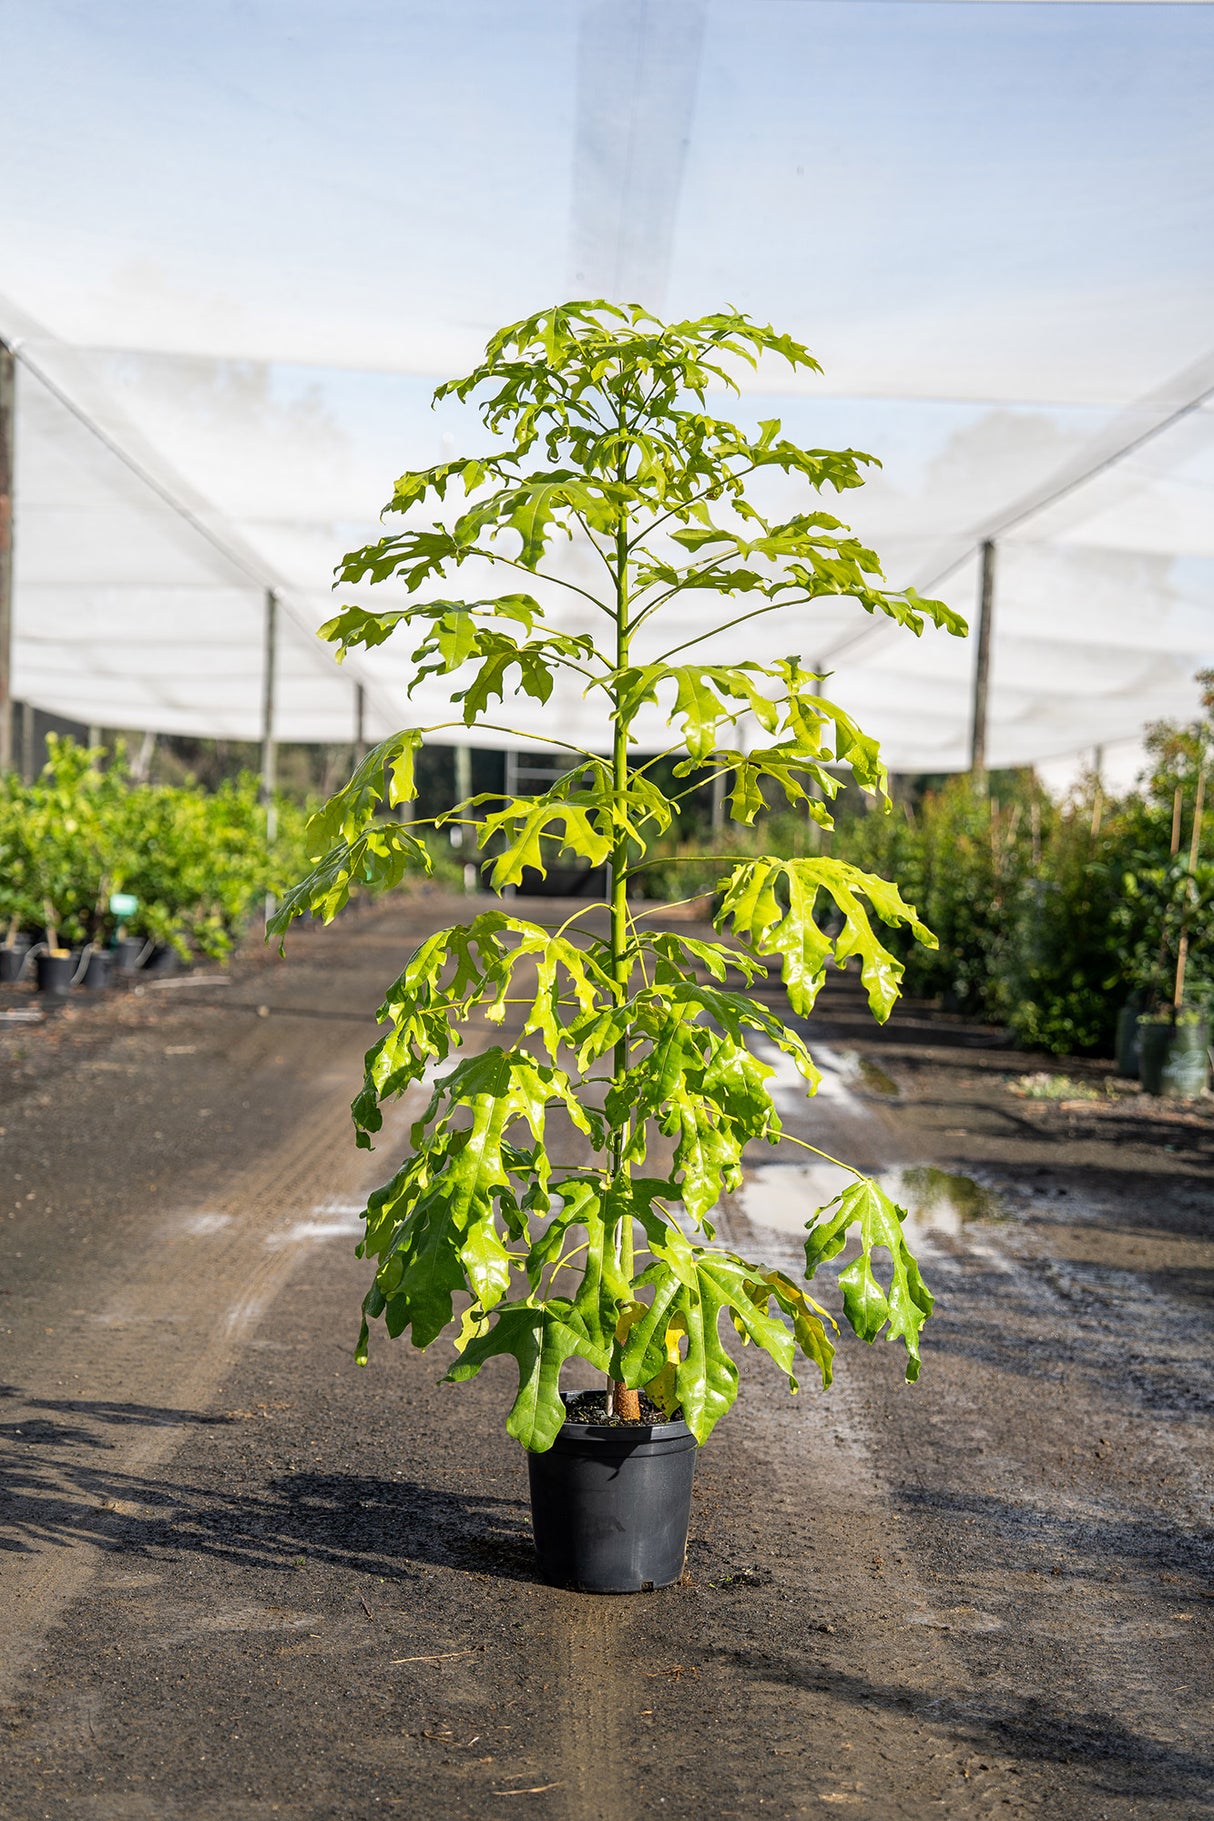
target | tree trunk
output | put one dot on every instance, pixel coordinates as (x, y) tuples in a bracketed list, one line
[(625, 1404)]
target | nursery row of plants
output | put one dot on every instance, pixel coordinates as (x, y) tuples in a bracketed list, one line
[(1052, 917), (87, 853)]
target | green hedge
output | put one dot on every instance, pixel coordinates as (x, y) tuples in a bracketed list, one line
[(197, 862), (1049, 915)]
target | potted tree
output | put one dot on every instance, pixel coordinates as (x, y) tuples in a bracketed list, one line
[(635, 1043)]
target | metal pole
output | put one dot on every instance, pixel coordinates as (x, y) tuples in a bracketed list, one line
[(268, 753), (360, 723), (8, 368), (982, 667), (717, 814), (28, 769), (463, 790)]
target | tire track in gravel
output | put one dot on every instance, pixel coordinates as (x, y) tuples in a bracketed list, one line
[(147, 1323), (207, 1290), (1032, 1365), (596, 1689)]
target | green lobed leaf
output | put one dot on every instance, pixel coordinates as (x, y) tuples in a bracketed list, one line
[(384, 776), (770, 904), (540, 1339), (907, 1302), (688, 1297), (377, 860)]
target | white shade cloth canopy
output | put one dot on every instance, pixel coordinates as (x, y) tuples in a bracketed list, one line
[(239, 244)]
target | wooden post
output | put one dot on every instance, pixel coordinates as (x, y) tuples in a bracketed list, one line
[(982, 667), (28, 768), (268, 745), (8, 379)]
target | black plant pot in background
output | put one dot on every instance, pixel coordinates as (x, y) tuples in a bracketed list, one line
[(55, 974), (96, 976), (611, 1504), (163, 961), (1174, 1058), (1126, 1045), (12, 959), (128, 954)]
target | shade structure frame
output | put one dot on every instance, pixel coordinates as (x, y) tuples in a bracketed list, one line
[(1017, 324)]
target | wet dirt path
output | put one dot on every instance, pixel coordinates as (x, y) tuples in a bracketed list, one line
[(250, 1580)]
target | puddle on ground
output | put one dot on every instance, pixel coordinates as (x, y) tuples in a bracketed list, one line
[(785, 1195), (874, 1078)]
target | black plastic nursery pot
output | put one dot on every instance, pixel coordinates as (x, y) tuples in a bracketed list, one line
[(1126, 1042), (1173, 1059), (163, 961), (610, 1505), (129, 953), (96, 976), (54, 973), (12, 959)]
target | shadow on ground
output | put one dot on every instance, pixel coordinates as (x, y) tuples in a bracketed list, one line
[(51, 1497), (57, 1492)]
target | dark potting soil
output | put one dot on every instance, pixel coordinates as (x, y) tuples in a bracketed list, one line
[(591, 1407)]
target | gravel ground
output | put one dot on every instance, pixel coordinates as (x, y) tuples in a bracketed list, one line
[(242, 1578)]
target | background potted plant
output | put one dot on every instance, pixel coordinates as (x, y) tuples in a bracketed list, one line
[(18, 910), (62, 824), (634, 1043), (1170, 906)]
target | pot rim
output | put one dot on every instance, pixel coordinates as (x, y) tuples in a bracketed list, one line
[(621, 1434)]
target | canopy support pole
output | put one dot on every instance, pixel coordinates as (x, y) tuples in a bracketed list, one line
[(718, 801), (268, 746), (7, 463), (463, 790), (463, 773), (360, 723), (982, 666)]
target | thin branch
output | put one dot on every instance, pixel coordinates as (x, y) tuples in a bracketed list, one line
[(680, 587), (658, 909), (685, 505), (787, 1138), (659, 756), (595, 904), (516, 733), (686, 860), (594, 545), (754, 614), (494, 556), (636, 936), (561, 1262)]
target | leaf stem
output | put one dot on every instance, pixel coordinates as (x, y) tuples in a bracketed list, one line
[(787, 1138)]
